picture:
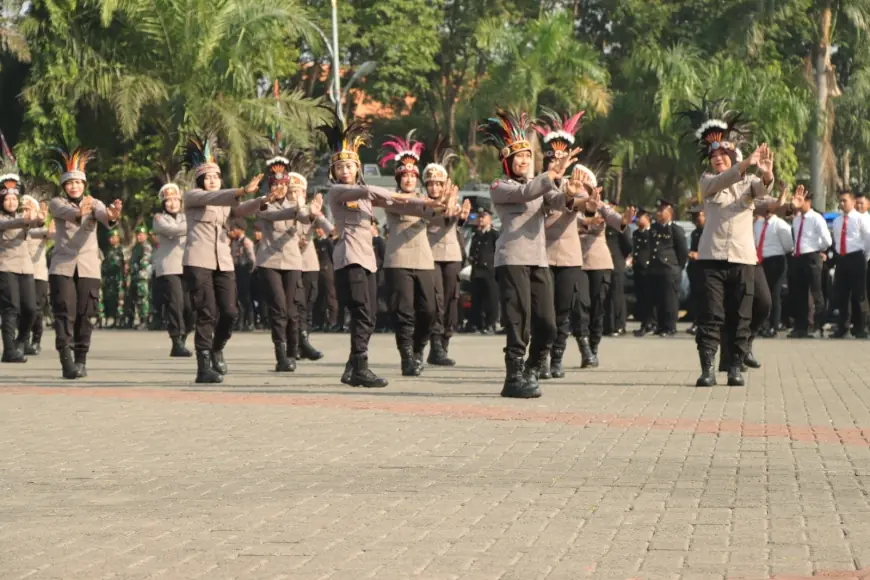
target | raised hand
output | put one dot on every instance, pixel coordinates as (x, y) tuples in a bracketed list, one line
[(253, 185), (316, 205), (114, 210), (765, 162), (593, 202), (562, 162), (466, 209), (628, 215), (799, 197), (574, 186), (86, 206)]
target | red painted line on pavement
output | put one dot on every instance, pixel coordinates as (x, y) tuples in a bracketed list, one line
[(802, 433)]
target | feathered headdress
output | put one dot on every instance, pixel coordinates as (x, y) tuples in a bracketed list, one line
[(74, 163), (439, 169), (558, 134), (203, 154), (507, 132), (405, 152), (173, 178), (345, 140), (282, 159), (717, 126), (9, 178)]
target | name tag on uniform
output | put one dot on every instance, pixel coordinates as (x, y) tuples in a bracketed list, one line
[(351, 205)]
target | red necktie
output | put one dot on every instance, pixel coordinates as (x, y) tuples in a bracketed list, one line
[(761, 242), (843, 235), (797, 250)]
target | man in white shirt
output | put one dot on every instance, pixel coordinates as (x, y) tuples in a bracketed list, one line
[(851, 245), (773, 243), (811, 240)]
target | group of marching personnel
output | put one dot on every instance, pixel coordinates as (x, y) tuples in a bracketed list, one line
[(551, 264)]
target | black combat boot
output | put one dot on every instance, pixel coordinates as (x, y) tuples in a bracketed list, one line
[(82, 364), (708, 377), (589, 358), (531, 374), (749, 360), (306, 350), (556, 370), (418, 357), (515, 385), (543, 368), (217, 361), (34, 348), (409, 362), (438, 353), (362, 376), (735, 372), (205, 373), (178, 348), (284, 363), (11, 352), (347, 375), (68, 363)]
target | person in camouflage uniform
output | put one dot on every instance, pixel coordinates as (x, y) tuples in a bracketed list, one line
[(112, 288), (138, 290)]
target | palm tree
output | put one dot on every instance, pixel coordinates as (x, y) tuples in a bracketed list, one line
[(12, 42), (171, 66)]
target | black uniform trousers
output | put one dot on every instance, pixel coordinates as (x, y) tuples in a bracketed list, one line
[(281, 288), (849, 289), (306, 295), (176, 299), (728, 291), (41, 301), (615, 315), (326, 305), (807, 280), (570, 298), (484, 298), (446, 298), (693, 271), (775, 273), (592, 311), (761, 306), (244, 276), (643, 290), (412, 303), (665, 282), (213, 299), (358, 289), (17, 306), (527, 306), (75, 303)]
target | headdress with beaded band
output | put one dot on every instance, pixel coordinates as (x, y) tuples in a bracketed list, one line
[(557, 134), (203, 155), (507, 132), (74, 163), (171, 178), (9, 177), (716, 126), (280, 162), (439, 169), (404, 152), (345, 140)]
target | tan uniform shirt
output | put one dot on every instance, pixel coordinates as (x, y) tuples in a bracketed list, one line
[(14, 250), (352, 207), (521, 208), (444, 239), (37, 239), (729, 203), (310, 261), (208, 215), (171, 232), (408, 244), (75, 239), (596, 254), (279, 247)]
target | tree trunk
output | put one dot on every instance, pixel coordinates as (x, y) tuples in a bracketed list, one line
[(847, 170), (618, 196), (821, 58)]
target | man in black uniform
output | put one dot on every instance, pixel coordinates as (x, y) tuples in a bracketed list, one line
[(667, 260), (326, 304), (693, 269), (641, 242), (615, 316), (484, 290)]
